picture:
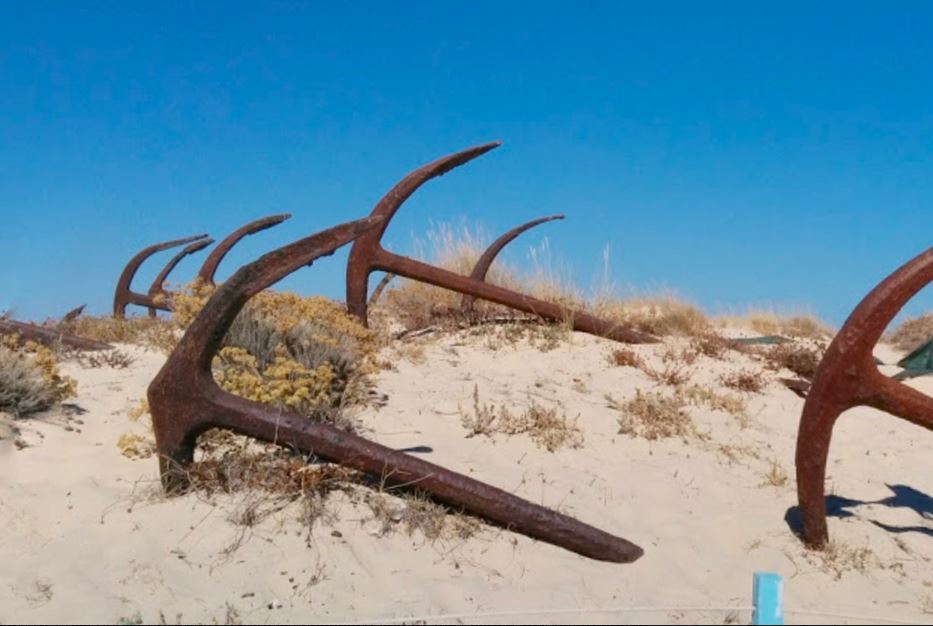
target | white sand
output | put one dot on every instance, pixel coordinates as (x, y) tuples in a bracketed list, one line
[(87, 538)]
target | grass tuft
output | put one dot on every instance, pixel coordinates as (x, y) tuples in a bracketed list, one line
[(29, 378), (545, 426), (912, 333), (653, 415)]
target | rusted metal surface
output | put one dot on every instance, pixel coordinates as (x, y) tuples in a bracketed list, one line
[(848, 377), (368, 255), (157, 289), (49, 336), (489, 255), (73, 314), (124, 296), (209, 268), (185, 401), (798, 385), (377, 292)]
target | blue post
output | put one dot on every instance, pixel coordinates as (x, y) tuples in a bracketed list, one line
[(768, 598)]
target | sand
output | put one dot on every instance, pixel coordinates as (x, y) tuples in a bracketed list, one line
[(87, 537)]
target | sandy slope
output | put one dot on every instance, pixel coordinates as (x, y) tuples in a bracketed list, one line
[(87, 538)]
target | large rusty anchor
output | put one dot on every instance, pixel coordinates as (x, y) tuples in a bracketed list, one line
[(185, 401), (157, 298), (125, 296), (368, 255), (209, 268), (848, 377)]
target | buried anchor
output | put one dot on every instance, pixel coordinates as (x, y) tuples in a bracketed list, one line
[(185, 401)]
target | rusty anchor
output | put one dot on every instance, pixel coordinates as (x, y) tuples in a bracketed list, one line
[(73, 314), (368, 255), (157, 291), (125, 296), (848, 377), (483, 263), (489, 255), (209, 268), (49, 336), (185, 401)]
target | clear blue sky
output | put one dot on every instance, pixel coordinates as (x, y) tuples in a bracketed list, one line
[(776, 154)]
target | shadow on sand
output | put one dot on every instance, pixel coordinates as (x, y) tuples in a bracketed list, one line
[(903, 497)]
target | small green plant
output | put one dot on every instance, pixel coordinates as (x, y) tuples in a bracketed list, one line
[(134, 620)]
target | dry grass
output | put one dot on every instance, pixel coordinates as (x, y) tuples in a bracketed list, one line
[(418, 305), (718, 401), (662, 315), (29, 378), (481, 420), (115, 359), (805, 326), (676, 366), (776, 475), (156, 333), (670, 373), (265, 478), (711, 345), (747, 381), (540, 334), (23, 388), (733, 453), (238, 466), (838, 558), (654, 416), (626, 357), (134, 446), (545, 426), (802, 360), (912, 333), (415, 512)]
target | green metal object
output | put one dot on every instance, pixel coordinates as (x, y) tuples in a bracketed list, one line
[(917, 363), (767, 340)]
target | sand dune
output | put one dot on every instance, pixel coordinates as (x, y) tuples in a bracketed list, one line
[(87, 537)]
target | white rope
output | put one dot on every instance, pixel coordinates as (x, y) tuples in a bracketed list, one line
[(617, 609), (526, 612), (866, 618)]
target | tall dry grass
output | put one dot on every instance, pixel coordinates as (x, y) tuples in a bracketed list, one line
[(911, 333), (458, 248), (797, 324), (665, 313)]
